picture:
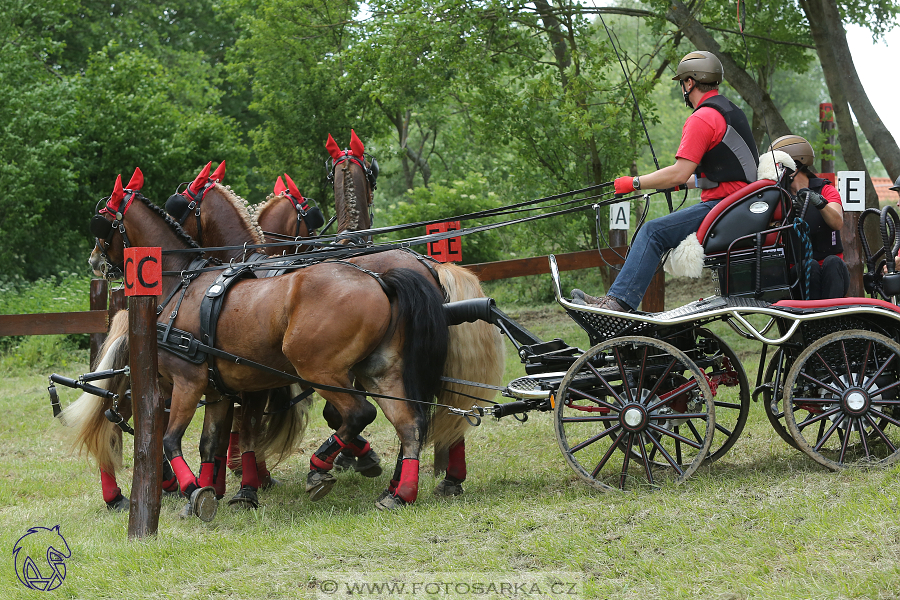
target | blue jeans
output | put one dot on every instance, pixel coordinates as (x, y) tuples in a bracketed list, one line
[(652, 241)]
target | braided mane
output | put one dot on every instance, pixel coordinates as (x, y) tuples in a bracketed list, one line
[(176, 228), (243, 209)]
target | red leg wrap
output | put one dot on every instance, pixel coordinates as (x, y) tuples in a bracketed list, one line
[(359, 449), (170, 485), (234, 450), (392, 486), (111, 489), (249, 476), (262, 470), (456, 466), (323, 459), (207, 474), (219, 484), (183, 473), (408, 488)]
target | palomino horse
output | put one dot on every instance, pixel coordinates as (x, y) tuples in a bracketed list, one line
[(387, 332), (476, 352)]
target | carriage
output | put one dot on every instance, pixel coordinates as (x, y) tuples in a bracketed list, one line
[(644, 403)]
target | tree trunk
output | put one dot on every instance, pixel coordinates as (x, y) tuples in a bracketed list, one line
[(758, 99), (882, 141), (846, 131)]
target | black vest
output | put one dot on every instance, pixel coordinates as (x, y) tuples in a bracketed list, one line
[(825, 240), (735, 158)]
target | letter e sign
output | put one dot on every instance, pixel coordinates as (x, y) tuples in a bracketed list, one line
[(143, 271), (447, 249)]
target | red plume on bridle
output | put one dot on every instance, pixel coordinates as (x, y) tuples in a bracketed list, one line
[(114, 204), (136, 182), (356, 147), (292, 187), (201, 179), (279, 186), (219, 173)]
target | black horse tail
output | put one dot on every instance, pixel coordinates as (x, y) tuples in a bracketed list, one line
[(426, 338)]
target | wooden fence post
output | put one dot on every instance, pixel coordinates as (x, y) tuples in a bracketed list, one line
[(99, 296), (149, 412)]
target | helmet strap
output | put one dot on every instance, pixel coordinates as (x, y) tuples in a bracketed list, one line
[(687, 100)]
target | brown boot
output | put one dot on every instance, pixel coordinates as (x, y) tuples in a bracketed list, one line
[(606, 302)]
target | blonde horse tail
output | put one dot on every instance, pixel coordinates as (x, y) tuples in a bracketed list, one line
[(93, 434), (283, 431), (477, 353)]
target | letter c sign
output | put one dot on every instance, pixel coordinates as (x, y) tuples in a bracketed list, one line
[(143, 271)]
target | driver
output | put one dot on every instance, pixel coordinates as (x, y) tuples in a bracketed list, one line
[(717, 154)]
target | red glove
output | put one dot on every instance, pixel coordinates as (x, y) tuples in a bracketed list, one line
[(624, 185)]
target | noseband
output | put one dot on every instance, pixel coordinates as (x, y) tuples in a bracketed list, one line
[(370, 171)]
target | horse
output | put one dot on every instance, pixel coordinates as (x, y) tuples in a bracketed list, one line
[(101, 439), (387, 332), (477, 351)]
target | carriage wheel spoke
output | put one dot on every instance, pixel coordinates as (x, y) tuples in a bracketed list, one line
[(845, 441), (609, 453), (815, 419), (819, 383), (662, 378), (586, 396), (623, 476), (731, 405), (646, 459), (674, 394), (590, 419), (694, 431), (640, 383), (675, 464), (828, 433), (834, 377), (878, 373), (847, 363), (862, 437), (881, 434), (621, 364), (865, 362), (675, 436), (593, 439), (885, 417), (886, 388)]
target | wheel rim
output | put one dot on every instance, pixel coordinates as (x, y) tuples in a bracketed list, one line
[(841, 400), (772, 398), (634, 412), (726, 370)]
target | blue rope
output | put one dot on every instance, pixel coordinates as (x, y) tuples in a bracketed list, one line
[(802, 229)]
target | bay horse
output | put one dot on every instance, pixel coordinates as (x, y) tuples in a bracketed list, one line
[(276, 434), (387, 332), (476, 351)]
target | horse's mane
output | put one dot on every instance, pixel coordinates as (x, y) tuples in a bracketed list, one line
[(258, 209), (176, 228), (243, 209)]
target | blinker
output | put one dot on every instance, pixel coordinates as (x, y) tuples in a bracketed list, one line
[(100, 227), (314, 218), (177, 206)]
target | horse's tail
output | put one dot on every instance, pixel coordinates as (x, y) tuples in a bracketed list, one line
[(477, 353), (419, 305), (93, 433), (283, 430)]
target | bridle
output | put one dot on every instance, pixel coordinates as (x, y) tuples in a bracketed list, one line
[(181, 204), (370, 170), (312, 216), (103, 230)]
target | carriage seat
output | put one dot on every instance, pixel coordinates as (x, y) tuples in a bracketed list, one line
[(830, 303), (749, 210)]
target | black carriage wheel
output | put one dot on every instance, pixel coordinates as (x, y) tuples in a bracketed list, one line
[(626, 401), (842, 400), (772, 404), (730, 416)]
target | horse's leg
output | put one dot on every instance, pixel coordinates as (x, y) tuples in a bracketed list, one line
[(455, 460), (202, 499), (220, 461), (234, 447), (252, 411), (356, 414), (410, 424), (358, 455)]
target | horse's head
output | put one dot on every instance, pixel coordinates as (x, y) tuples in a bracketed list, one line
[(354, 179), (213, 215), (287, 213), (148, 226)]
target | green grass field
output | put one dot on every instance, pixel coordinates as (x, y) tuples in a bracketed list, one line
[(764, 522)]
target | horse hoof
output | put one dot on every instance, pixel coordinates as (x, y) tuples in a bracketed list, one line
[(369, 464), (204, 504), (345, 462), (246, 499), (268, 482), (120, 504), (389, 501), (318, 484), (449, 487)]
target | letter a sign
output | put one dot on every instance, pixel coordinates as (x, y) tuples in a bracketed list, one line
[(619, 215), (143, 271)]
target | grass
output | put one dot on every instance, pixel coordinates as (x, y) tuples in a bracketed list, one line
[(764, 522)]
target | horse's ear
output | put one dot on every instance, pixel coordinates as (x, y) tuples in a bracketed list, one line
[(137, 181), (219, 174), (115, 200), (201, 179), (333, 149), (293, 188), (356, 146), (279, 186)]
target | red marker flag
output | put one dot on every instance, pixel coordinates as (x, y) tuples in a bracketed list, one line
[(143, 271)]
